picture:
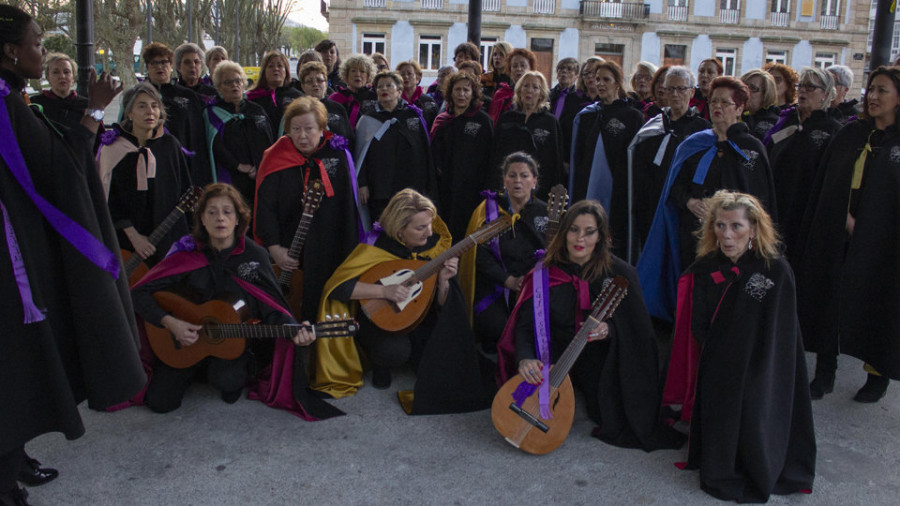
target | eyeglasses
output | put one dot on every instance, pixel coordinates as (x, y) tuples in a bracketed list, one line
[(312, 81), (643, 77), (720, 103), (233, 82), (808, 87), (753, 88), (388, 86), (677, 89), (158, 63)]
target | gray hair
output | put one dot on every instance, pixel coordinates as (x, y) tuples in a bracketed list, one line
[(132, 94), (827, 80), (359, 61), (214, 51), (843, 76), (682, 72), (188, 47), (227, 67)]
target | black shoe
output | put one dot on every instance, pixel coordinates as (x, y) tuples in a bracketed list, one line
[(381, 378), (822, 384), (33, 475), (873, 390), (233, 396), (18, 497)]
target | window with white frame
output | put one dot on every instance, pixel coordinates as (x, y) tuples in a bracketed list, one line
[(731, 5), (831, 7), (373, 43), (430, 52), (728, 57), (825, 60), (895, 41), (776, 57), (781, 6), (487, 48)]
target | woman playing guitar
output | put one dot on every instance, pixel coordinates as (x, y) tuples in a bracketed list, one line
[(440, 349), (618, 370), (217, 259)]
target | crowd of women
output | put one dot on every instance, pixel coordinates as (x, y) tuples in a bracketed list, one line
[(752, 218)]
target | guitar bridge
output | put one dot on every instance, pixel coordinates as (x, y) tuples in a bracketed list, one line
[(528, 417)]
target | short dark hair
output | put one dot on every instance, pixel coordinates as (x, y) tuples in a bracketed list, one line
[(13, 23), (469, 49), (451, 81), (740, 93), (155, 49), (892, 73), (241, 209)]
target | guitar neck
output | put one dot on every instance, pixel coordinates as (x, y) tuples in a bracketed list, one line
[(154, 238), (430, 268), (552, 230), (243, 330), (300, 236)]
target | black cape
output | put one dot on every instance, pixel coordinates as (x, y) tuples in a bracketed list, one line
[(461, 147), (752, 431), (65, 111), (333, 233), (795, 162), (145, 210), (274, 108), (86, 348), (242, 140), (185, 122), (575, 101), (762, 121), (539, 136)]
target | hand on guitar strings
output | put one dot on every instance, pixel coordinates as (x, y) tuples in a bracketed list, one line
[(305, 336), (281, 258), (184, 332), (530, 370), (449, 269), (600, 333), (395, 293), (142, 246)]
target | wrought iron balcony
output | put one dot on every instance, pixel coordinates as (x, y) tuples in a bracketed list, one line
[(614, 10)]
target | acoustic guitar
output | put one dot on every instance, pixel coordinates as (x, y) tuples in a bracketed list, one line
[(135, 267), (556, 208), (291, 282), (420, 277), (225, 330), (522, 425)]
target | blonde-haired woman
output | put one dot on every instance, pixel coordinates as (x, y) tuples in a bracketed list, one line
[(357, 96), (761, 113), (737, 368), (61, 103), (530, 127), (441, 349), (491, 80)]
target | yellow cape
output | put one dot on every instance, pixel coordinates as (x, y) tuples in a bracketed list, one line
[(336, 366), (467, 263)]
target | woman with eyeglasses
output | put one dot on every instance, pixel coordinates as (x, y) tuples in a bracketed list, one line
[(652, 149), (393, 150), (618, 370), (848, 275), (313, 79), (273, 90), (599, 155), (583, 94), (796, 146), (723, 157), (530, 127), (761, 113), (642, 84), (239, 130)]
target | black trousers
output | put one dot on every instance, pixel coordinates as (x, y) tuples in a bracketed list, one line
[(168, 385), (10, 465)]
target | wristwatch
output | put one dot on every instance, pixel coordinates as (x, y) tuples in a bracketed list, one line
[(96, 114)]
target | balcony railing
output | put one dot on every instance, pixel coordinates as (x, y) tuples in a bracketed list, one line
[(779, 18), (433, 4), (830, 22), (678, 12), (614, 10), (729, 16), (374, 3), (544, 6), (490, 5)]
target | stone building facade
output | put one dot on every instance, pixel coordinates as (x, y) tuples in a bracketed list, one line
[(744, 34)]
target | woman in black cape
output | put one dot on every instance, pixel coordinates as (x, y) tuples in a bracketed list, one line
[(848, 271), (69, 331), (273, 90), (461, 143), (761, 113), (738, 369), (61, 103), (312, 77)]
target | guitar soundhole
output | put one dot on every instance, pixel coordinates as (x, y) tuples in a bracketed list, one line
[(204, 334)]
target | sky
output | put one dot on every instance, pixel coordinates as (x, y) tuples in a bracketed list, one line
[(307, 12)]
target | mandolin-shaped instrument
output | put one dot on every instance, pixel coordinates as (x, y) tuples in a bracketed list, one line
[(420, 277), (522, 424)]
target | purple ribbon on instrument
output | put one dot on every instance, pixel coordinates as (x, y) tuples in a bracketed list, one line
[(541, 302), (82, 240), (32, 313), (372, 236), (491, 213)]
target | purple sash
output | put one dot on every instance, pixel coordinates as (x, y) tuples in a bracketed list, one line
[(491, 213), (541, 302)]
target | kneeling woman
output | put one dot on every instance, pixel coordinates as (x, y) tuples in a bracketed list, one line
[(738, 367), (217, 259), (618, 373), (441, 349)]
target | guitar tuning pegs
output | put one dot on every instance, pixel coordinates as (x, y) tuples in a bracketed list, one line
[(328, 317), (345, 316)]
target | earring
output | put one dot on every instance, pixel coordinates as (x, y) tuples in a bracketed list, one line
[(750, 244), (16, 60)]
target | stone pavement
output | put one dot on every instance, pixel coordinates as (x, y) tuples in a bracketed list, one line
[(210, 453)]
